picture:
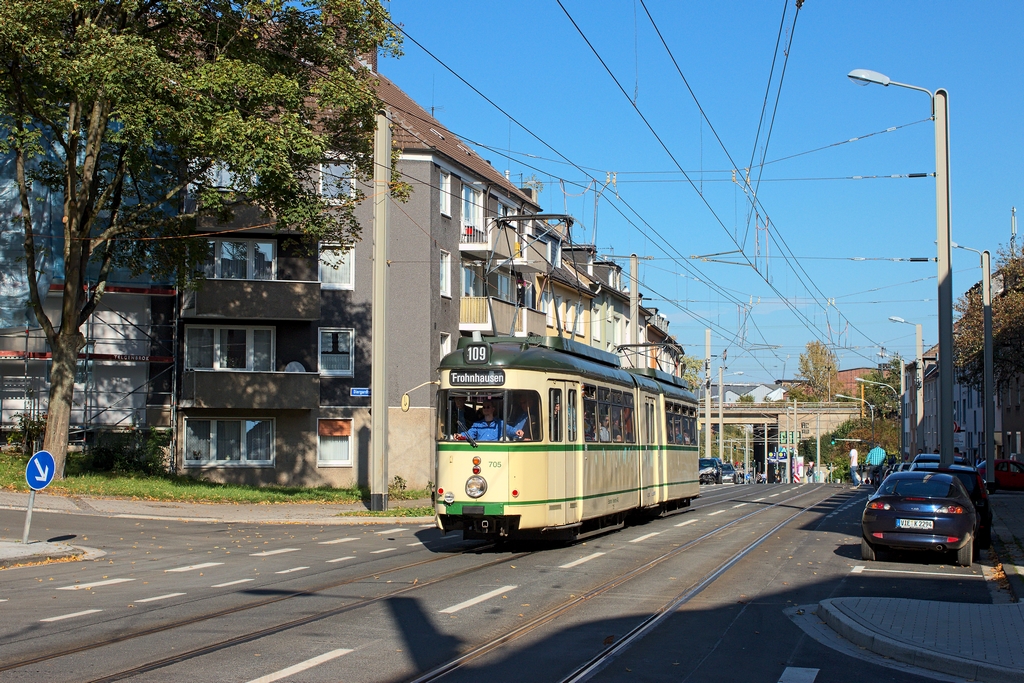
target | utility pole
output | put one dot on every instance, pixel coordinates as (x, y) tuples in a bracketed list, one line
[(634, 310), (721, 421), (862, 401), (766, 451), (746, 452), (988, 383), (378, 324), (919, 386), (707, 392), (817, 450), (796, 440)]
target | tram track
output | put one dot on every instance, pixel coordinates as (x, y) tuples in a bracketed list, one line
[(596, 663), (717, 498)]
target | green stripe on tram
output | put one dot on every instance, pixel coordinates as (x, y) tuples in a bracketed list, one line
[(518, 447), (498, 508)]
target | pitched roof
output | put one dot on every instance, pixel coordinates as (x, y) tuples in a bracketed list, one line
[(415, 129)]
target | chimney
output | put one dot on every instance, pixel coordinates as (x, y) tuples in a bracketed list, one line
[(530, 192)]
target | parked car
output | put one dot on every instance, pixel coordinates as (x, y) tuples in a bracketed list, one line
[(976, 489), (934, 457), (730, 475), (1009, 474), (710, 471), (920, 510)]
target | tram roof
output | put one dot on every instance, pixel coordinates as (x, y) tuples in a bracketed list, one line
[(567, 355)]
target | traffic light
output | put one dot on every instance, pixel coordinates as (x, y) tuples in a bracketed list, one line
[(833, 441)]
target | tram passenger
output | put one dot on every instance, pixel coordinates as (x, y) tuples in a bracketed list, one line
[(605, 432), (487, 428), (523, 422), (627, 425)]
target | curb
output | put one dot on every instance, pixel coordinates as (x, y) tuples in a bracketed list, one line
[(888, 646), (1009, 558), (333, 520), (42, 558)]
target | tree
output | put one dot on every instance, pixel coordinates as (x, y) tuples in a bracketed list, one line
[(1007, 326), (746, 398), (692, 370), (819, 369), (149, 115), (886, 401)]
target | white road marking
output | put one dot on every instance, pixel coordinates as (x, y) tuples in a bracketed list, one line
[(73, 614), (773, 495), (385, 550), (689, 521), (390, 531), (268, 553), (94, 584), (739, 506), (645, 537), (160, 597), (859, 569), (758, 500), (3, 599), (576, 563), (231, 583), (193, 567), (480, 598), (293, 569), (301, 666), (712, 514), (339, 540), (341, 559), (409, 545), (794, 674)]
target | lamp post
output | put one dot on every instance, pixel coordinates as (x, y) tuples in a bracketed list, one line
[(940, 113), (869, 405), (918, 383), (988, 383), (890, 388)]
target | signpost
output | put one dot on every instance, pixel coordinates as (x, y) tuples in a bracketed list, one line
[(38, 475)]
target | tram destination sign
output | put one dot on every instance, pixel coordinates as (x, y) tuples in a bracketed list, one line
[(468, 378)]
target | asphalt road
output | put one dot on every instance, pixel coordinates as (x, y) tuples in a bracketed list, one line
[(202, 601)]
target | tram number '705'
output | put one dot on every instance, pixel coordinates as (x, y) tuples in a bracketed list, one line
[(477, 353), (494, 463)]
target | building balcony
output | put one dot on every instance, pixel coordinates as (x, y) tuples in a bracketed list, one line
[(482, 242), (492, 316), (254, 299), (220, 389)]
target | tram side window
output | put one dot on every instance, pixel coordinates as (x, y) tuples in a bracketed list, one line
[(689, 428), (628, 433), (555, 415), (524, 421), (604, 412), (570, 417), (590, 423), (616, 411)]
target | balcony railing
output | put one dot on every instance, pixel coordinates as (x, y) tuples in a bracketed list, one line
[(254, 299), (250, 390), (497, 317)]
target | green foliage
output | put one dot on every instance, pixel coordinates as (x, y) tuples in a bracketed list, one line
[(819, 369), (135, 452), (29, 433), (745, 398), (692, 369), (886, 401), (396, 489)]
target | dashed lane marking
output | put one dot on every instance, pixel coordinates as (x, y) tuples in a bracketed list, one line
[(293, 569), (773, 495), (268, 553), (645, 537), (341, 559), (72, 615), (193, 567), (739, 506), (390, 531), (758, 500), (861, 568), (409, 545), (576, 563), (718, 512), (794, 674), (478, 599), (384, 550), (231, 583), (160, 597), (301, 666), (339, 540), (94, 584), (689, 521)]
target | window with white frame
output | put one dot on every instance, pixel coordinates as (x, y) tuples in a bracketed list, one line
[(336, 351), (445, 188), (336, 267), (547, 309), (472, 207), (227, 442), (554, 254), (335, 181), (334, 447), (472, 282), (446, 273), (238, 259), (445, 344), (229, 348), (595, 323)]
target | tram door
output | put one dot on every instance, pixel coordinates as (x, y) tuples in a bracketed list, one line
[(562, 434), (652, 457)]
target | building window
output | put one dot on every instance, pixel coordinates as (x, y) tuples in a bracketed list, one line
[(472, 207), (229, 348), (446, 273), (240, 442), (446, 344), (236, 259), (445, 188), (547, 309), (335, 443), (554, 249), (595, 323), (336, 352), (472, 283), (336, 271), (335, 181)]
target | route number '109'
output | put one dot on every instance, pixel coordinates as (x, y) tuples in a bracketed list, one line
[(477, 353)]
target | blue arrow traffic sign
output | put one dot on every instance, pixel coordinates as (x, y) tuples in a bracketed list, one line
[(40, 470)]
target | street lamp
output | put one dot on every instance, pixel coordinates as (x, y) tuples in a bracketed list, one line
[(940, 114), (988, 383), (869, 405)]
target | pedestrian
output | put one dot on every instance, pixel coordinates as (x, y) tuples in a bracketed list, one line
[(853, 467)]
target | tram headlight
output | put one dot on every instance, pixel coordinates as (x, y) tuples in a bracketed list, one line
[(449, 498), (476, 486)]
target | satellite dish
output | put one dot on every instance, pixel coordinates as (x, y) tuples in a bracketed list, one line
[(295, 366)]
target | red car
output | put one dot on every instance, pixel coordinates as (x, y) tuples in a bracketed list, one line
[(1010, 474)]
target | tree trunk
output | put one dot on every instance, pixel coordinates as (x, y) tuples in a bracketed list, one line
[(62, 389)]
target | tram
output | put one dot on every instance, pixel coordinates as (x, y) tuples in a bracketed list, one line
[(547, 438)]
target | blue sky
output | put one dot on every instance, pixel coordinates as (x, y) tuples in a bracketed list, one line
[(532, 62)]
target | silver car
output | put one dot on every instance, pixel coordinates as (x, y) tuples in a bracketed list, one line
[(730, 475)]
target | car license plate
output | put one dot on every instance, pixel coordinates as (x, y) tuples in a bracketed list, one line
[(915, 524)]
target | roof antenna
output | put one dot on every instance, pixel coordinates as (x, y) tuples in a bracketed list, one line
[(1013, 230)]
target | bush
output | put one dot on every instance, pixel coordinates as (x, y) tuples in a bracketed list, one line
[(135, 452), (396, 489)]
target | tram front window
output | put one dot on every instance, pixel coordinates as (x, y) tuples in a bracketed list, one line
[(493, 416)]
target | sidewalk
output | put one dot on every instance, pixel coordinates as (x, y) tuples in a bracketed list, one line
[(976, 642)]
